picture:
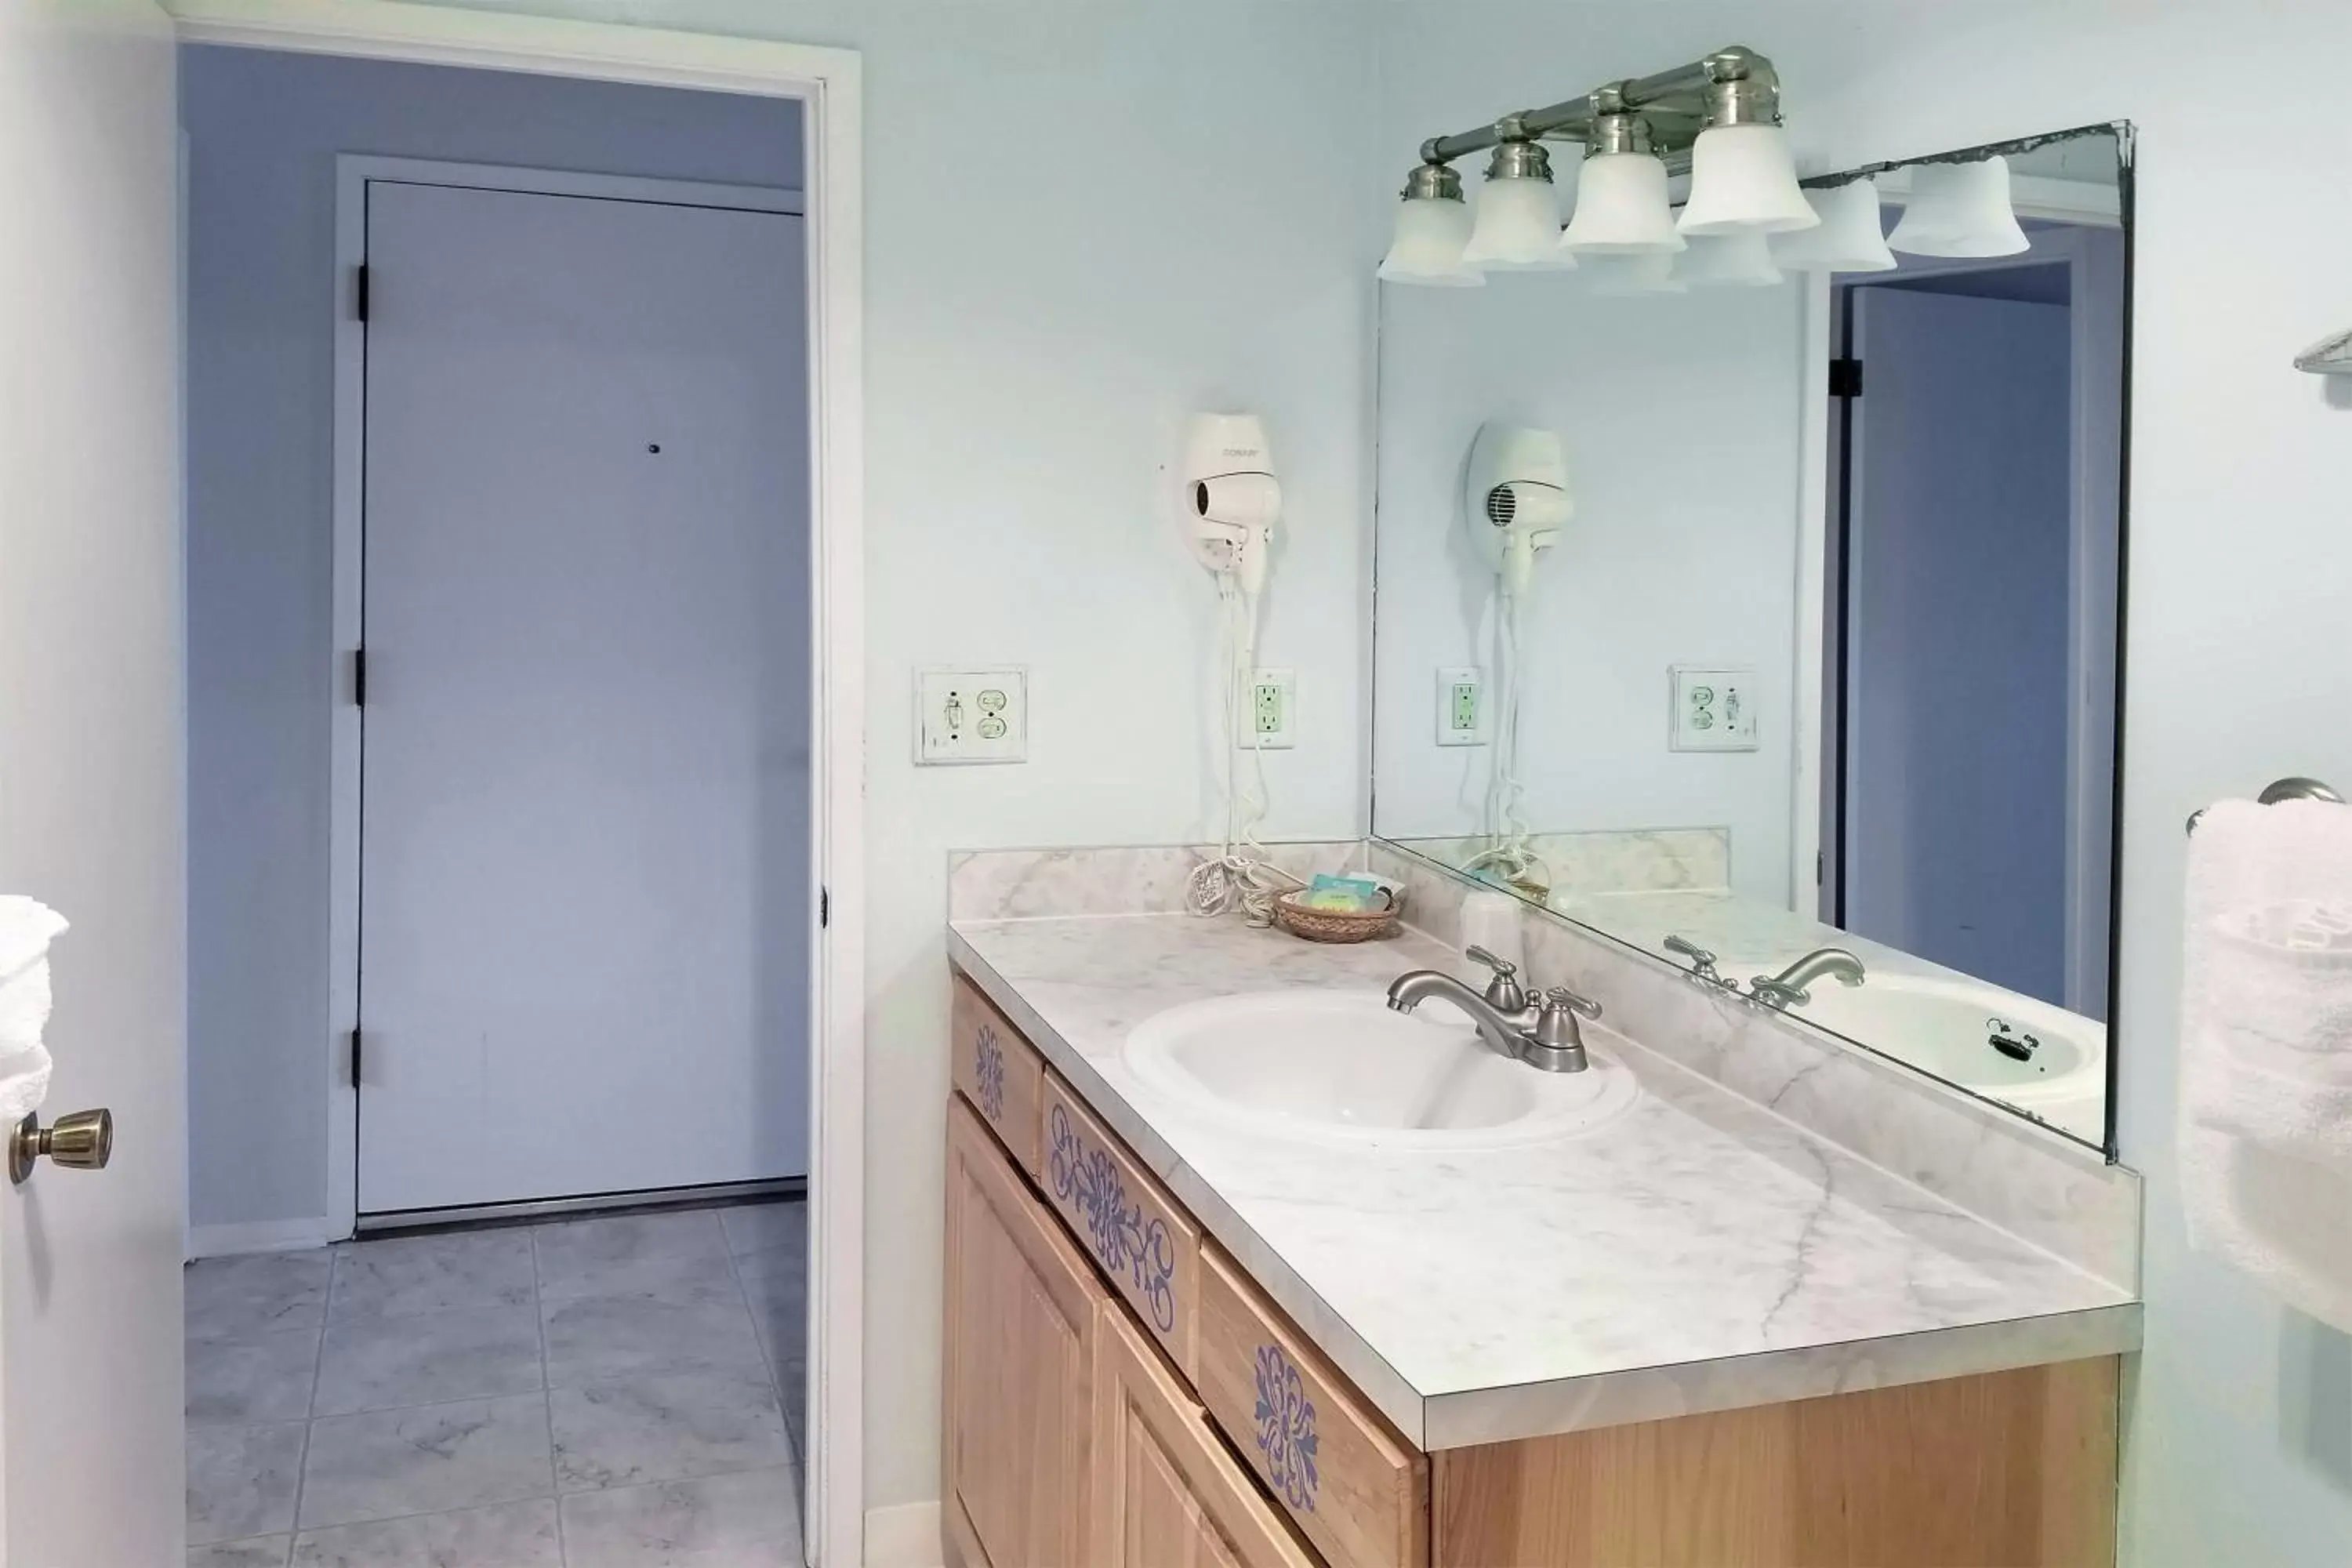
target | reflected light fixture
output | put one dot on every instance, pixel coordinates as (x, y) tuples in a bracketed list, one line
[(1621, 192), (1959, 209), (1432, 225), (1517, 228), (1735, 260), (1851, 237), (1743, 180)]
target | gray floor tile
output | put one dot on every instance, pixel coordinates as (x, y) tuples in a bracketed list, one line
[(665, 1429), (236, 1297), (673, 1257), (754, 1227), (263, 1552), (241, 1480), (791, 1393), (261, 1377), (389, 1462), (433, 1273), (511, 1535), (779, 1302), (617, 1339), (748, 1521), (375, 1363)]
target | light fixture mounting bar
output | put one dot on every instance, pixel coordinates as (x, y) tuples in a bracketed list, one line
[(1733, 85)]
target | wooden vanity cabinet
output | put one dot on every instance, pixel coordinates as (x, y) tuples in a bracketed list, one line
[(1023, 1310), (1082, 1430)]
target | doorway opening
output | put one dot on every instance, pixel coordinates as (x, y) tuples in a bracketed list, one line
[(1971, 589), (572, 641)]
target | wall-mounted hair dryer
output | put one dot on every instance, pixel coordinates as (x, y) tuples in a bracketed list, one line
[(1227, 498), (1515, 498)]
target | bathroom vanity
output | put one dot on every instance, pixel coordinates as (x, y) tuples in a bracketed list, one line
[(1301, 1327)]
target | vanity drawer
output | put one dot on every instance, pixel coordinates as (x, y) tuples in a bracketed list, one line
[(1142, 1240), (1359, 1494), (999, 1073)]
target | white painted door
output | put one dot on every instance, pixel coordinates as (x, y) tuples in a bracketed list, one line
[(90, 774), (585, 774)]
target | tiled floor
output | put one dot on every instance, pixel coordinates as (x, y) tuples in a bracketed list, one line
[(593, 1394)]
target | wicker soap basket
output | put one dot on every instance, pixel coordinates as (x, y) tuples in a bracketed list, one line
[(1333, 925)]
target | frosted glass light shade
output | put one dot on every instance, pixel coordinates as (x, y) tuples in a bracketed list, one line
[(1959, 209), (1622, 207), (1633, 272), (1743, 181), (1850, 238), (1518, 226), (1727, 261), (1427, 247)]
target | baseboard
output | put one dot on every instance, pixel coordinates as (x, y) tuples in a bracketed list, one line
[(258, 1235), (904, 1536)]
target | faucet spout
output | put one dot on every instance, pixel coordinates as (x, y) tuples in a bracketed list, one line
[(1502, 1032), (1791, 986)]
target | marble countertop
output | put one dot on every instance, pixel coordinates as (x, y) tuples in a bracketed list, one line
[(1698, 1253)]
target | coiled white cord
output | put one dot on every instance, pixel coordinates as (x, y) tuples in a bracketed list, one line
[(1240, 877), (1511, 854)]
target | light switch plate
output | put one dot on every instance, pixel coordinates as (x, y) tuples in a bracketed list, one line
[(1461, 706), (971, 716), (1714, 709)]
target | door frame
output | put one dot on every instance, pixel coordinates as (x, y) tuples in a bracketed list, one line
[(353, 174), (827, 84)]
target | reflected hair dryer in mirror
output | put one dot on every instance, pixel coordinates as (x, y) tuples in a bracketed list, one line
[(1515, 498)]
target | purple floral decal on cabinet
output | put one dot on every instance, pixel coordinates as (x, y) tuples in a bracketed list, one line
[(1125, 1240), (988, 1072), (1286, 1428)]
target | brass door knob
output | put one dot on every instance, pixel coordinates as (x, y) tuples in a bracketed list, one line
[(81, 1141)]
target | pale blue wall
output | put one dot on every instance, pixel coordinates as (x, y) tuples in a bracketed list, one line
[(263, 133)]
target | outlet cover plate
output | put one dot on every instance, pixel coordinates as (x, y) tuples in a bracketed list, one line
[(1713, 708), (965, 716), (1461, 705), (1268, 720)]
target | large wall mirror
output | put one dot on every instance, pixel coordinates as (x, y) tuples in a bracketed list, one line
[(1767, 618)]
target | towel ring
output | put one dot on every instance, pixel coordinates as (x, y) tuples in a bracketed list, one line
[(2277, 790)]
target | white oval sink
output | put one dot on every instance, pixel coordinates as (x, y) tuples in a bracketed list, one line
[(1338, 1067), (1948, 1027)]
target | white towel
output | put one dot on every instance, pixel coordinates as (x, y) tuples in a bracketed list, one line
[(2266, 1047), (26, 928)]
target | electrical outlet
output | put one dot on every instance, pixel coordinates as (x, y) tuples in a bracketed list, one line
[(1461, 706), (1714, 709), (971, 716), (1270, 711)]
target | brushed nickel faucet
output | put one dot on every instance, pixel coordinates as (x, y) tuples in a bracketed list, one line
[(1791, 987), (1544, 1032), (1702, 960)]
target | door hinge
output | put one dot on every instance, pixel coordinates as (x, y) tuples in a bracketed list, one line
[(823, 908), (356, 1039), (359, 292), (1845, 378), (358, 678)]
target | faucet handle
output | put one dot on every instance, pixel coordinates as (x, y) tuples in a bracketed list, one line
[(1702, 960), (1562, 997), (1503, 991)]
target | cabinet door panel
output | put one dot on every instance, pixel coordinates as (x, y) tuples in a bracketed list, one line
[(999, 1073), (1167, 1492), (1021, 1318)]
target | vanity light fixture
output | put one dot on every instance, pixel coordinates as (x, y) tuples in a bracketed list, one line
[(1518, 213), (1852, 236), (1432, 225), (1743, 180), (1727, 261), (1959, 209), (1718, 117), (1622, 207)]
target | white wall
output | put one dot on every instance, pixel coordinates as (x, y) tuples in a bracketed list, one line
[(2238, 1436), (263, 132), (1083, 220), (1678, 414)]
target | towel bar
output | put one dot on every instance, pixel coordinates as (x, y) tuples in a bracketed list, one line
[(2278, 790)]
